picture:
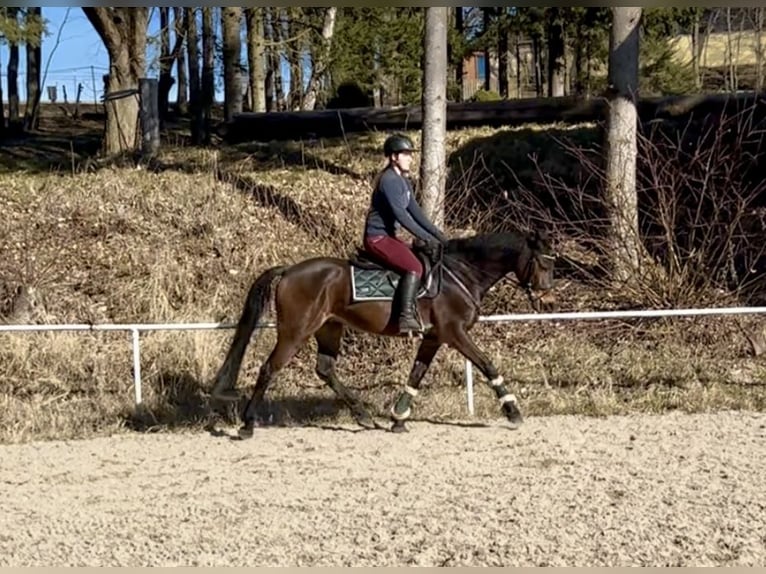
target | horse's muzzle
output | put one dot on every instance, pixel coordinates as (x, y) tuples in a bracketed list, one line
[(542, 301)]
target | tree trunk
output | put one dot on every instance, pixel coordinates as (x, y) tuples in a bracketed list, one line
[(13, 84), (537, 60), (621, 141), (13, 74), (320, 63), (294, 59), (459, 27), (579, 59), (589, 65), (556, 64), (2, 113), (759, 49), (696, 50), (517, 51), (275, 60), (195, 84), (487, 54), (123, 31), (501, 113), (231, 24), (732, 85), (502, 56), (182, 99), (34, 63), (433, 165), (256, 63), (207, 90), (270, 80), (166, 63)]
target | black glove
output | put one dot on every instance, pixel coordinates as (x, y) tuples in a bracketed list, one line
[(433, 249)]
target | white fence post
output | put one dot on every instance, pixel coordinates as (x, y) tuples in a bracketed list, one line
[(469, 385), (137, 367)]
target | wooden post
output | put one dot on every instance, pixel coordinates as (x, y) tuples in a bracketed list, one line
[(149, 116)]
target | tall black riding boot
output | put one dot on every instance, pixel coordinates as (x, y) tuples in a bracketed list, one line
[(407, 292)]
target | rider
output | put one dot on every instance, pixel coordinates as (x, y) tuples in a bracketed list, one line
[(393, 204)]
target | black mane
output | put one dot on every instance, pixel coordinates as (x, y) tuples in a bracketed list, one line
[(488, 245)]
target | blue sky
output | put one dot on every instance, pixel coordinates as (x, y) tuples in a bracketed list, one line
[(79, 57)]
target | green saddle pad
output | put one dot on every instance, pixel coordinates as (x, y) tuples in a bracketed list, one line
[(373, 284)]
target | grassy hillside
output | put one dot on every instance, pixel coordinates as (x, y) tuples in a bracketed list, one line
[(177, 243)]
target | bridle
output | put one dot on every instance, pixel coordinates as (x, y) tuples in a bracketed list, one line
[(527, 286)]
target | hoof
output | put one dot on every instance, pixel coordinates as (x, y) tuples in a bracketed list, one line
[(515, 422), (399, 427), (516, 418), (366, 421), (227, 395), (513, 414), (245, 432)]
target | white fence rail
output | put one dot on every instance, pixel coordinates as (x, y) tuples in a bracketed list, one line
[(136, 329)]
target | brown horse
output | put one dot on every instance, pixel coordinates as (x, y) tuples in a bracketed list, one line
[(324, 295)]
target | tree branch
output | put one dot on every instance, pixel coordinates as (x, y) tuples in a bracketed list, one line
[(102, 21)]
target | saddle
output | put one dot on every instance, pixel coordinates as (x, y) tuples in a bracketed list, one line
[(373, 279)]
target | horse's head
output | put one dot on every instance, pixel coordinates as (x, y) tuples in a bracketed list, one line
[(535, 271)]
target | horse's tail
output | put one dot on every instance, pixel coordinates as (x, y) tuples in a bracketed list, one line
[(257, 300)]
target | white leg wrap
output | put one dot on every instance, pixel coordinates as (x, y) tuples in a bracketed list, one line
[(400, 417), (413, 392), (509, 398), (497, 381)]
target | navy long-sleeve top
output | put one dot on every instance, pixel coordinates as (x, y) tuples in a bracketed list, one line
[(393, 204)]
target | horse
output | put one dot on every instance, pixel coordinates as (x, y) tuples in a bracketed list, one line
[(323, 296)]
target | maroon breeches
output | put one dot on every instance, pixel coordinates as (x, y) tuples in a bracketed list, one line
[(395, 252)]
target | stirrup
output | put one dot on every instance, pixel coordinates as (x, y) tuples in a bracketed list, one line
[(417, 329)]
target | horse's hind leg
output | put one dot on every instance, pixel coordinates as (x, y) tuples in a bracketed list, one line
[(328, 339), (284, 350), (400, 412)]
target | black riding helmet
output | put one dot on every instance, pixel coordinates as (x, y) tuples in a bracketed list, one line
[(397, 143)]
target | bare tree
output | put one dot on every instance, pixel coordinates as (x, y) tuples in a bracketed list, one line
[(123, 31), (758, 26), (459, 68), (166, 63), (256, 58), (207, 90), (34, 68), (293, 50), (621, 140), (231, 24), (503, 52), (195, 83), (182, 99), (696, 48), (275, 93), (556, 63), (433, 165), (319, 66), (13, 74)]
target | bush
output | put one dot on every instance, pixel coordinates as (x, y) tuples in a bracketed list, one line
[(660, 73), (701, 208), (350, 95)]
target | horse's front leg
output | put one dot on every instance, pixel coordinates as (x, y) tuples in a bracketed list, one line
[(462, 342), (402, 410)]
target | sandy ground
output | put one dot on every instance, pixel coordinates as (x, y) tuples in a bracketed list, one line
[(669, 490)]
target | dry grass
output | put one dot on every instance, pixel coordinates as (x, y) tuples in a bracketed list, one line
[(183, 245)]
